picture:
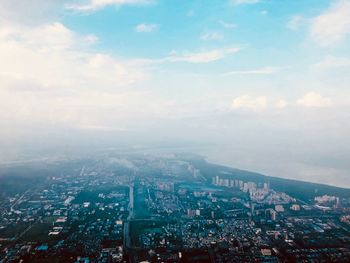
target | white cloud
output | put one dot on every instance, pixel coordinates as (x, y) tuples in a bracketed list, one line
[(188, 57), (258, 103), (281, 103), (92, 39), (331, 62), (240, 2), (31, 12), (146, 28), (331, 27), (48, 37), (227, 25), (202, 57), (314, 99), (262, 71), (101, 128), (52, 36), (250, 103), (93, 5), (295, 22), (211, 36), (52, 55), (46, 75)]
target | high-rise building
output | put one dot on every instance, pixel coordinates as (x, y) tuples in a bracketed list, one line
[(273, 214), (295, 207), (279, 208)]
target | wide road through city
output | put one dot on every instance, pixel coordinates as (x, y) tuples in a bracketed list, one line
[(126, 237)]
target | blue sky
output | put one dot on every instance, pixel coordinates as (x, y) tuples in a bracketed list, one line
[(180, 25), (263, 30), (260, 84)]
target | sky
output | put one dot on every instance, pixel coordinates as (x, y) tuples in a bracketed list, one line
[(261, 85)]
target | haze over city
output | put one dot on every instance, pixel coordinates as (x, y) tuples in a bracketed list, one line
[(261, 85), (174, 131)]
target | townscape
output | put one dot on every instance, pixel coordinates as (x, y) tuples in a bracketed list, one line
[(169, 208)]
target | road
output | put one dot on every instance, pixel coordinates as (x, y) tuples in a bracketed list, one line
[(19, 199), (126, 230)]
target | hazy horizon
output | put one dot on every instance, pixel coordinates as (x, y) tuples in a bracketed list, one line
[(259, 85)]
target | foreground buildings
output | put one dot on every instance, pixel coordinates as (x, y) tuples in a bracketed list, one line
[(168, 209)]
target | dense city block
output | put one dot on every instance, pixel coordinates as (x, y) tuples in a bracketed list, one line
[(166, 208)]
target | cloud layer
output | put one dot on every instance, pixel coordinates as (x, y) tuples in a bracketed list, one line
[(270, 80), (146, 28), (332, 26), (93, 5)]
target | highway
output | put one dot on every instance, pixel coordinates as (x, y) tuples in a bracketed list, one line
[(126, 230)]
